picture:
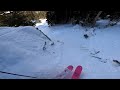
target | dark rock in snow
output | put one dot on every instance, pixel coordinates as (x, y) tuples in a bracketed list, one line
[(52, 43), (86, 36)]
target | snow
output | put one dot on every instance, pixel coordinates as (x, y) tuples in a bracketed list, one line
[(43, 22), (21, 50)]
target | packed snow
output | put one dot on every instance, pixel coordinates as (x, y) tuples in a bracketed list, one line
[(27, 51)]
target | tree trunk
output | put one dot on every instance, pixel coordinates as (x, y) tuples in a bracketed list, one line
[(99, 13)]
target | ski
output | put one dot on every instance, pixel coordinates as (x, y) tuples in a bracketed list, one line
[(77, 72), (66, 74)]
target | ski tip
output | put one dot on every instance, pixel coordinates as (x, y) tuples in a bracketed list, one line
[(80, 67), (70, 67), (77, 72)]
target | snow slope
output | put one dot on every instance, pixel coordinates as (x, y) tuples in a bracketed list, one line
[(21, 50), (80, 51)]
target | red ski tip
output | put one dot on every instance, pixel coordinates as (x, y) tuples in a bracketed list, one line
[(70, 67), (77, 72)]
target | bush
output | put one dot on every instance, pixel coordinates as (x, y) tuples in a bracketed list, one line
[(20, 18), (68, 16), (85, 18)]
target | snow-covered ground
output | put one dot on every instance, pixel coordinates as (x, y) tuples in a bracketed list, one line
[(21, 50)]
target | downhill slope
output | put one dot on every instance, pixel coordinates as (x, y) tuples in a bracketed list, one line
[(21, 50)]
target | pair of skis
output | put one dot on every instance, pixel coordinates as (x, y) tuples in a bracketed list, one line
[(67, 73)]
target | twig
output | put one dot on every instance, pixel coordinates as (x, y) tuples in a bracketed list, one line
[(44, 46), (17, 74), (44, 34), (95, 53), (97, 57), (116, 61)]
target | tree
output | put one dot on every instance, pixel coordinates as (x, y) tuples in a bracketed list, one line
[(85, 18), (16, 18)]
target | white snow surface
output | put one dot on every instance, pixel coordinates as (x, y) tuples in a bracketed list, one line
[(21, 51)]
